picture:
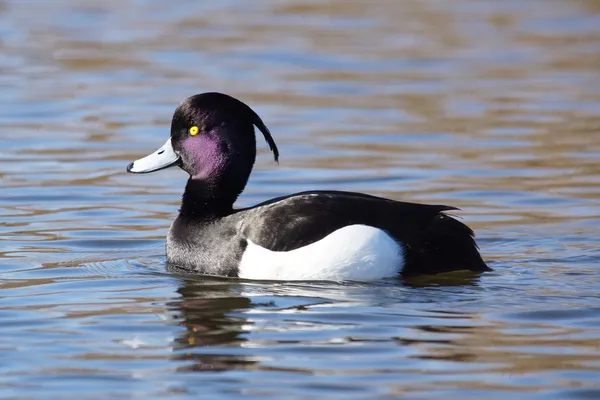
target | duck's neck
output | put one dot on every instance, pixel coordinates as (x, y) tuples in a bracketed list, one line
[(207, 200)]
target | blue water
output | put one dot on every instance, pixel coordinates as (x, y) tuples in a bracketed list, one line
[(489, 106)]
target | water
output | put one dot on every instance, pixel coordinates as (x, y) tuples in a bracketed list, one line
[(490, 106)]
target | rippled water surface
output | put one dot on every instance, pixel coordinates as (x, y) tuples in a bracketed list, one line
[(491, 106)]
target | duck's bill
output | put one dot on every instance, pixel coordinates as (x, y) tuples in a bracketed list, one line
[(162, 158)]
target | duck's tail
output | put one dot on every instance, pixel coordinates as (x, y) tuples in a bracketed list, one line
[(445, 245)]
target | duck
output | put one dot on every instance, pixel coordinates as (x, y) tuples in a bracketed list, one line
[(319, 235)]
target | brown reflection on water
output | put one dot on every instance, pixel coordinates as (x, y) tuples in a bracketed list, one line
[(490, 106)]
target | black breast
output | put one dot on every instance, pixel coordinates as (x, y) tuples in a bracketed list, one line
[(210, 248)]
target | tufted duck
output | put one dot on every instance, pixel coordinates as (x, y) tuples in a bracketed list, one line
[(316, 235)]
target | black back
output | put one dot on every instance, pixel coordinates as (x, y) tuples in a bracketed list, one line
[(434, 242)]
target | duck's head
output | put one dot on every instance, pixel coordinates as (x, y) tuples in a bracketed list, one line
[(212, 139)]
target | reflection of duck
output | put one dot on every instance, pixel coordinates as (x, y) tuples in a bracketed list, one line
[(319, 235), (204, 310), (229, 325)]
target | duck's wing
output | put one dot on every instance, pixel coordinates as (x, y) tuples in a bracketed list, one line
[(433, 241)]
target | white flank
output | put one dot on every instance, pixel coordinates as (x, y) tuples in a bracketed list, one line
[(355, 252)]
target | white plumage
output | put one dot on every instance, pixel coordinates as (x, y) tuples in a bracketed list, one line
[(354, 252)]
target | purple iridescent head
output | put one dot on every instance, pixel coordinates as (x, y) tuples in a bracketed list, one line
[(212, 139)]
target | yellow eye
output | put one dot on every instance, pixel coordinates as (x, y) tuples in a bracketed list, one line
[(194, 130)]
